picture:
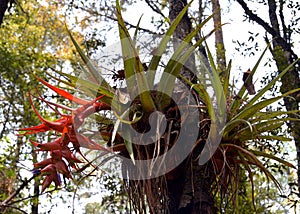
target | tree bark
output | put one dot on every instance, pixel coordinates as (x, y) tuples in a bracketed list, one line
[(182, 30), (283, 55), (189, 192), (289, 81), (219, 43), (36, 189)]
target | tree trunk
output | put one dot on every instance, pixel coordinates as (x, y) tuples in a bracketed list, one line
[(219, 43), (182, 30), (36, 190), (189, 191), (283, 56)]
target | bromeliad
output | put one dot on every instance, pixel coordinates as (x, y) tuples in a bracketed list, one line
[(66, 126)]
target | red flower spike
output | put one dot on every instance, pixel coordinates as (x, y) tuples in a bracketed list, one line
[(70, 157), (62, 168), (43, 163), (80, 117), (34, 129), (60, 124), (49, 169), (89, 103), (51, 175), (86, 142), (84, 111), (53, 145), (56, 154), (61, 155), (63, 93), (48, 180), (57, 105), (47, 103), (57, 125)]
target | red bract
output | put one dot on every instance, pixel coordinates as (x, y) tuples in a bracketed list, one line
[(53, 145), (63, 93), (66, 125), (43, 163), (34, 129), (51, 175)]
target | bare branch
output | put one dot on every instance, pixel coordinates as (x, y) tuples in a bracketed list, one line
[(284, 28), (257, 19), (31, 196), (266, 26), (273, 16), (13, 207), (219, 42), (133, 26), (96, 13), (7, 119), (156, 9), (23, 185)]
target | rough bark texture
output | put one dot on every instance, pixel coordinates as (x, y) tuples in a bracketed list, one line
[(3, 8), (189, 191), (283, 56), (183, 29), (219, 43)]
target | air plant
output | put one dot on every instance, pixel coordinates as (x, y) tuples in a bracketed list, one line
[(245, 123)]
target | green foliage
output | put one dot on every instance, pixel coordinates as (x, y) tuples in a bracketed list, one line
[(93, 208), (33, 41), (133, 66)]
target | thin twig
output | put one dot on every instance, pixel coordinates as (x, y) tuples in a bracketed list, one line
[(267, 27), (33, 196), (13, 207), (95, 13), (156, 9), (22, 186)]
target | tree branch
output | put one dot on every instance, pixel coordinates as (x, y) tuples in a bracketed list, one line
[(23, 185), (273, 16), (257, 19), (219, 42), (13, 207), (96, 13), (284, 28), (281, 41), (7, 119), (132, 25), (155, 9)]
